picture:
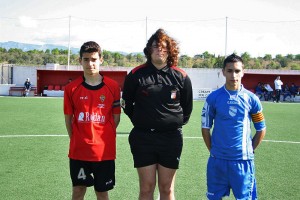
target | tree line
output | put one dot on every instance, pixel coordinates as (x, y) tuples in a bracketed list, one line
[(205, 60)]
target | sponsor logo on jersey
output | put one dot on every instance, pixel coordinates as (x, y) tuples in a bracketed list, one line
[(233, 102), (84, 98), (101, 105), (91, 117)]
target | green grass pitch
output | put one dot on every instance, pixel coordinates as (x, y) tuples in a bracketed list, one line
[(34, 147)]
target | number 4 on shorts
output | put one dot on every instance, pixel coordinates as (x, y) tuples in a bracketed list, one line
[(81, 174)]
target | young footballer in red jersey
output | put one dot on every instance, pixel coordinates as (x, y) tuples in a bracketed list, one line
[(92, 114)]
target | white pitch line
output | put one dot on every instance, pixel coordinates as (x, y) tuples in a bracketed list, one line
[(291, 142), (12, 136), (126, 135)]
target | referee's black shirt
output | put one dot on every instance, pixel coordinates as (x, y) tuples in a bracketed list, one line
[(157, 99)]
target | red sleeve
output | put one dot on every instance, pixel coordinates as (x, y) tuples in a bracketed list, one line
[(68, 94), (68, 108)]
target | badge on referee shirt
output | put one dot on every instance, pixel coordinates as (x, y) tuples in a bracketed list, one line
[(173, 94)]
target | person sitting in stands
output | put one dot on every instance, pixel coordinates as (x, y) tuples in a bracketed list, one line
[(286, 92), (27, 86), (269, 92), (294, 91), (258, 90)]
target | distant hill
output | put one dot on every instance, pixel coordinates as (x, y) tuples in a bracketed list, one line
[(27, 47)]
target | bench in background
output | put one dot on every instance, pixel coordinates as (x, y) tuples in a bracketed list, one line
[(54, 91), (19, 91)]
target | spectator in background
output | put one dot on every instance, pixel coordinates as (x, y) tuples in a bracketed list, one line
[(269, 92), (27, 86), (294, 91), (286, 92), (278, 83), (259, 90)]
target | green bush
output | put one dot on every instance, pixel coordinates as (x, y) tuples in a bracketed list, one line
[(295, 66)]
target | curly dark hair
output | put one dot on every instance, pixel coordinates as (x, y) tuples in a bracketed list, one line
[(90, 47), (159, 37)]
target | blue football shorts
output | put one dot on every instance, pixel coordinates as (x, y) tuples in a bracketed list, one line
[(237, 175)]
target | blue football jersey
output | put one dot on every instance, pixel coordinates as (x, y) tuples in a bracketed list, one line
[(230, 113)]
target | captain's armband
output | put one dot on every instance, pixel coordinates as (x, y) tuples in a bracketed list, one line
[(257, 117)]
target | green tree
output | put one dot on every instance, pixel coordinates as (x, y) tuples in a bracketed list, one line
[(63, 52), (3, 50), (207, 55), (184, 61), (108, 58), (273, 65), (219, 62), (55, 51), (74, 58), (290, 56), (129, 57), (268, 57), (284, 62), (295, 66), (278, 57), (48, 58), (257, 63), (140, 58), (246, 58), (117, 57)]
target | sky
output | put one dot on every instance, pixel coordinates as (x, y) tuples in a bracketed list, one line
[(220, 27)]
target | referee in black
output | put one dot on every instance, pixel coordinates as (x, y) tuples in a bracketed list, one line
[(158, 99)]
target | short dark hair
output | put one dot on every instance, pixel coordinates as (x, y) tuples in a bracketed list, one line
[(232, 59), (90, 47)]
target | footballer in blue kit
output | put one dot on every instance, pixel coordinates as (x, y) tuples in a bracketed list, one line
[(230, 110)]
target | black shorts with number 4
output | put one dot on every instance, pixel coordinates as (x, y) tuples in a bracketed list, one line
[(100, 174), (150, 147)]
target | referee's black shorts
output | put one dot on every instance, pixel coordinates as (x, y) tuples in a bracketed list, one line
[(150, 147)]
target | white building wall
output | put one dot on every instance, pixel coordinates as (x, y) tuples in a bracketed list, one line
[(20, 73), (203, 80)]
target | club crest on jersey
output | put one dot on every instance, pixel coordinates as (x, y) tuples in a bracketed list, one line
[(232, 111), (102, 98)]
